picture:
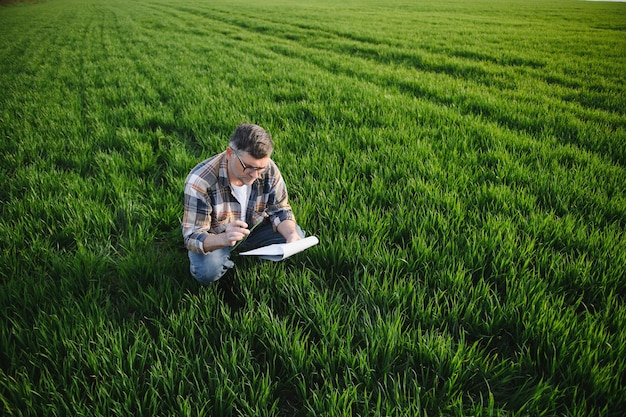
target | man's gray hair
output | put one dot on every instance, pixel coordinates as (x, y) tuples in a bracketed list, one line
[(252, 139)]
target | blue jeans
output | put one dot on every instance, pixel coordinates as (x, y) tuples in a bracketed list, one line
[(212, 266)]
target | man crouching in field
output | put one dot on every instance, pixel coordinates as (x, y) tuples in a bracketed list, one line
[(231, 193)]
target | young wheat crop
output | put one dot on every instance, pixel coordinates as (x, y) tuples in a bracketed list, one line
[(462, 162)]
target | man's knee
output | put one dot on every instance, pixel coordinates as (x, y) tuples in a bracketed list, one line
[(210, 267)]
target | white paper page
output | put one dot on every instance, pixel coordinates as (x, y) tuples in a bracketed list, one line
[(280, 251)]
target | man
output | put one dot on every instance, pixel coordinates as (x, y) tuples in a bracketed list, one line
[(230, 193)]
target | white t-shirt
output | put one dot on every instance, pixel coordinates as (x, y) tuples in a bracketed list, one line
[(242, 194)]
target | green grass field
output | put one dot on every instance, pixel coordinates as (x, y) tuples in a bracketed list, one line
[(462, 162)]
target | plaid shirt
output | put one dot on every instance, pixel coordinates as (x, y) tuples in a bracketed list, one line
[(210, 204)]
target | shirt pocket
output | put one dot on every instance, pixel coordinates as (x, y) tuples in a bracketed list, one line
[(218, 224)]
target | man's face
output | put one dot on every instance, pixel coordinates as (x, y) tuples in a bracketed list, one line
[(243, 168)]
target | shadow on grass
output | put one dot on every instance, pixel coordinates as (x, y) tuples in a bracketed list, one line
[(229, 291)]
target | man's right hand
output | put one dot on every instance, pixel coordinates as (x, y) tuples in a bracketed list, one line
[(235, 231)]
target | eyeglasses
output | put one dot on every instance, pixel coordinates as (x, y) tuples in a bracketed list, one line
[(245, 167)]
